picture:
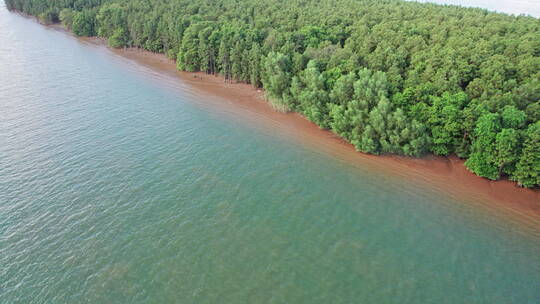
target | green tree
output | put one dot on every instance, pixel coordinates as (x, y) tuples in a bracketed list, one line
[(84, 23), (506, 145), (255, 57), (276, 76), (446, 122), (313, 98), (387, 76), (527, 171), (482, 159), (66, 17)]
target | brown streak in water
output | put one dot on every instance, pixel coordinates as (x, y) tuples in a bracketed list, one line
[(446, 174)]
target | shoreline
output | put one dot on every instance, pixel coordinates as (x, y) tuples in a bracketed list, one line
[(445, 174), (441, 172)]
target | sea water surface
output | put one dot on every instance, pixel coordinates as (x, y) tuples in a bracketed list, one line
[(117, 186)]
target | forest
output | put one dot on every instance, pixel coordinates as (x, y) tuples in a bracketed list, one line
[(388, 76)]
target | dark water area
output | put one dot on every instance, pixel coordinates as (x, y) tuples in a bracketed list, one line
[(117, 185), (513, 7)]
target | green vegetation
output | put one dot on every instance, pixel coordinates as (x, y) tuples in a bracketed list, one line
[(388, 76)]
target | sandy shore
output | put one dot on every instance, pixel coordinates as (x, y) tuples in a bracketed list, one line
[(445, 174)]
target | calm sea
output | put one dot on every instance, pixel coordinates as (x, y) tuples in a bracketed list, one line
[(117, 186)]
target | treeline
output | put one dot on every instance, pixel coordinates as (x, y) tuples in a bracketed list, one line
[(388, 76)]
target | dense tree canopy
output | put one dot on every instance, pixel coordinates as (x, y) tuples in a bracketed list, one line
[(388, 76)]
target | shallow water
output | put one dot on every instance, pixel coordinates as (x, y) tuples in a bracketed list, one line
[(121, 185), (514, 7)]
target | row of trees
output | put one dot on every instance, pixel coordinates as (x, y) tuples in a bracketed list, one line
[(388, 76)]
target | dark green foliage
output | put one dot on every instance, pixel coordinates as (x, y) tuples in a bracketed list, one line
[(118, 38), (66, 17), (446, 122), (387, 76), (50, 16), (111, 24), (506, 142), (276, 75), (527, 171), (482, 160), (84, 23)]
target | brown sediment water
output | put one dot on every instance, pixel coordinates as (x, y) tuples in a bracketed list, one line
[(445, 174)]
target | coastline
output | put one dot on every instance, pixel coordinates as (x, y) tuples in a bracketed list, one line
[(444, 174), (441, 172), (126, 179)]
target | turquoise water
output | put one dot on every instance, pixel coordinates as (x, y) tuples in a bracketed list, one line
[(515, 7), (118, 185)]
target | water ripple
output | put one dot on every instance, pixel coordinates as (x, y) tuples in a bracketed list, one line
[(118, 185)]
